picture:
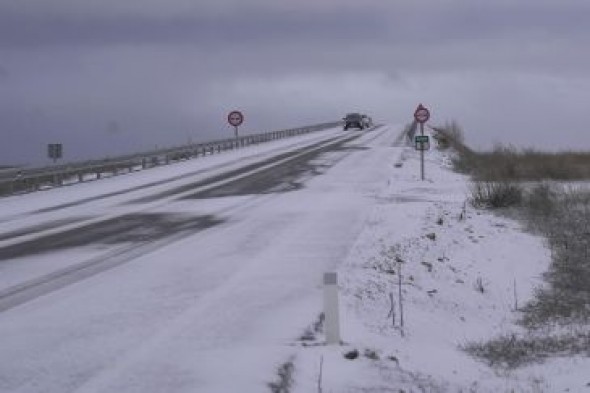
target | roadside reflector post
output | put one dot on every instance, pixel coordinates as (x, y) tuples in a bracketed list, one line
[(331, 308)]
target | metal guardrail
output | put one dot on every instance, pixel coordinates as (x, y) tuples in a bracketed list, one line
[(35, 179)]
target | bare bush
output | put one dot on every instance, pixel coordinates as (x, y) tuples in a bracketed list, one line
[(540, 202), (563, 216), (560, 214), (489, 194), (479, 285), (455, 131), (509, 163), (285, 378), (510, 351), (451, 136)]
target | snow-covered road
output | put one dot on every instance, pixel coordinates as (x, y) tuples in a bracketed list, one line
[(213, 310), (206, 277)]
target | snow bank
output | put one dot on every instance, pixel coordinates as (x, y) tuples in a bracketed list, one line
[(465, 272)]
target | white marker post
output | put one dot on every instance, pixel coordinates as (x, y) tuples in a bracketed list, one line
[(331, 309)]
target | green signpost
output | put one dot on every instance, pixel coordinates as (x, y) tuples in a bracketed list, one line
[(421, 115), (422, 142)]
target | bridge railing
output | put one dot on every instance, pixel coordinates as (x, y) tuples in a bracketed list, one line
[(34, 179)]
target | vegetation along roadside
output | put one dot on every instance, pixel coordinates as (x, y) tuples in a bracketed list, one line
[(550, 194)]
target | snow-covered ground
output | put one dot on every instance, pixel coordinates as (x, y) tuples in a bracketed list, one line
[(464, 273), (222, 310)]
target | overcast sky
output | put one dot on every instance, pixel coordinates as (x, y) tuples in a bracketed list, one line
[(110, 76)]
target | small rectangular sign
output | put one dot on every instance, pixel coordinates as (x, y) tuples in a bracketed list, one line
[(54, 150), (422, 142)]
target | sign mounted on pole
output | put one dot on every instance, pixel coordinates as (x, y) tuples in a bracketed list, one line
[(235, 119), (421, 114), (422, 142), (55, 151)]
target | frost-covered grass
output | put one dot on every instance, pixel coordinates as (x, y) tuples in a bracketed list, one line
[(507, 163), (468, 278), (511, 350), (561, 214), (496, 194), (462, 272)]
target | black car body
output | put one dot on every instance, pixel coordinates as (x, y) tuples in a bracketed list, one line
[(353, 120)]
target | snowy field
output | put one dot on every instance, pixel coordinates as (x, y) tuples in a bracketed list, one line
[(226, 308), (465, 272)]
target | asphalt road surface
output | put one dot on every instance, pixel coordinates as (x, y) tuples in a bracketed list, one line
[(95, 279)]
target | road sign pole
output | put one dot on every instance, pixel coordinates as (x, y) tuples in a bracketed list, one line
[(235, 119), (421, 115), (422, 154)]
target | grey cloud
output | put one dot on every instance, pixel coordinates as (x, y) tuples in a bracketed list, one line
[(111, 75), (247, 26), (264, 22), (510, 20)]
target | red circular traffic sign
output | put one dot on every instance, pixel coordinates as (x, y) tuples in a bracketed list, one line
[(235, 118), (421, 114)]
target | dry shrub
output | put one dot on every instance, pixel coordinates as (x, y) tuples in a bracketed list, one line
[(508, 163), (488, 194), (562, 215), (510, 351)]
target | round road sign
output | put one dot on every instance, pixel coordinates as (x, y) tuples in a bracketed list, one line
[(235, 118), (422, 114)]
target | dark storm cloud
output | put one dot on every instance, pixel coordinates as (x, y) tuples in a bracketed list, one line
[(246, 27), (499, 20), (101, 75), (399, 22)]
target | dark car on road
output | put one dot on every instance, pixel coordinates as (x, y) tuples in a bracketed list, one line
[(353, 120)]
